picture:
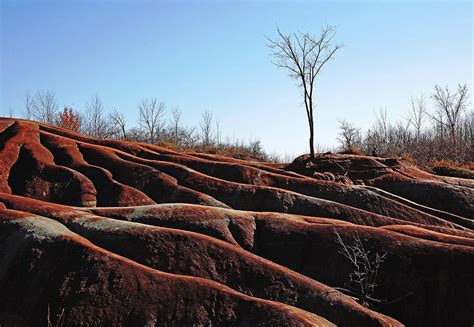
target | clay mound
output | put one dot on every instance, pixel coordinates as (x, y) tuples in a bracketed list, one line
[(122, 233), (399, 177)]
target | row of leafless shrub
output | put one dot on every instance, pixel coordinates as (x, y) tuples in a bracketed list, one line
[(438, 131), (442, 131), (153, 126)]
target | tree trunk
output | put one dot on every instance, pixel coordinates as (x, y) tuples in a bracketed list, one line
[(311, 126), (311, 138)]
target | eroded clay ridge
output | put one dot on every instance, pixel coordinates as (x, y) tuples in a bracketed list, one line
[(125, 233)]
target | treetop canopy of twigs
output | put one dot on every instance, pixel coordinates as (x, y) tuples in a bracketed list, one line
[(302, 54)]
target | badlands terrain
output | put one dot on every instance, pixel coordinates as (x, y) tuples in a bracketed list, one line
[(104, 232)]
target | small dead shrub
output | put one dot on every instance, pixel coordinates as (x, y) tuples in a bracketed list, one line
[(408, 158), (365, 264), (352, 150), (452, 169)]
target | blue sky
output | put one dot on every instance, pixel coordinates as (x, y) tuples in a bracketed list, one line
[(212, 55)]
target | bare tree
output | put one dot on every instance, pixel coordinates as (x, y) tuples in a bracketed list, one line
[(207, 133), (176, 125), (190, 137), (365, 265), (446, 137), (382, 124), (303, 56), (450, 107), (136, 134), (469, 128), (117, 119), (96, 123), (417, 114), (218, 134), (255, 147), (151, 112), (380, 133), (349, 135), (11, 112), (44, 107), (28, 112)]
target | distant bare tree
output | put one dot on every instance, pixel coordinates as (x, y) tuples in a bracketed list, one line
[(176, 125), (399, 138), (44, 107), (303, 56), (276, 158), (136, 134), (450, 107), (349, 136), (218, 133), (469, 135), (151, 112), (382, 123), (117, 119), (96, 123), (190, 137), (29, 100), (11, 112), (447, 136), (255, 147), (417, 114), (376, 139), (207, 133)]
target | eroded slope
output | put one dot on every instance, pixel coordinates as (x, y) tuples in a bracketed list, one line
[(127, 233)]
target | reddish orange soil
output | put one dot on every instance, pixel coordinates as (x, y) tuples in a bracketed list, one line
[(118, 233)]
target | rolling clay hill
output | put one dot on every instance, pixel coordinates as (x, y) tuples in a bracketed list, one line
[(106, 232)]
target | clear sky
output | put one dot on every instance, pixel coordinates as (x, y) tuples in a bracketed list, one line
[(212, 55)]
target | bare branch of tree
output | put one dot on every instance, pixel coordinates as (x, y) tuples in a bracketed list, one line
[(11, 112), (417, 113), (218, 133), (28, 102), (118, 121), (43, 106), (207, 131), (450, 107), (349, 136), (151, 113), (176, 125), (96, 123)]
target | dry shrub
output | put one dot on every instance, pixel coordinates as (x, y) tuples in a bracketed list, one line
[(453, 169), (243, 153), (69, 119), (452, 164), (408, 158), (352, 150), (365, 267), (168, 145)]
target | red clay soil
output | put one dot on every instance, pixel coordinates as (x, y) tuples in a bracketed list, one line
[(110, 232)]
